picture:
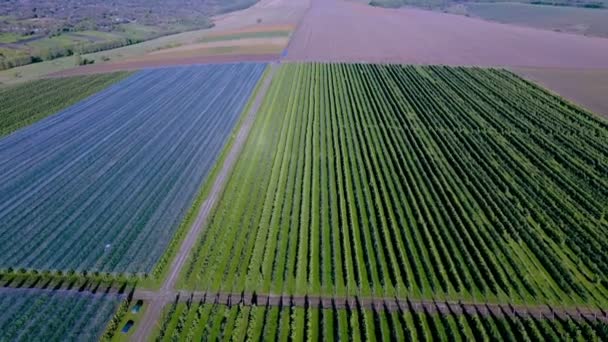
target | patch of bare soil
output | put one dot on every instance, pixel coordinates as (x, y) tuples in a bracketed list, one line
[(586, 87), (254, 29), (265, 12), (276, 43), (336, 30)]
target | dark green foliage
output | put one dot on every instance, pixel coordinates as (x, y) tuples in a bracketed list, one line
[(418, 181), (185, 321), (443, 4), (24, 104)]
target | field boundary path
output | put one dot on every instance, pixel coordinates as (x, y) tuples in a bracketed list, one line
[(285, 52), (157, 300), (389, 304)]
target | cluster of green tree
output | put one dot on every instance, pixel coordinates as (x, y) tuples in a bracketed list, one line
[(64, 51), (442, 4), (46, 54), (8, 63), (426, 4), (83, 61), (66, 279), (591, 4)]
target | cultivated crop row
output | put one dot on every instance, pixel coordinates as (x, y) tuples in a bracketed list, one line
[(46, 316), (195, 321), (413, 181), (103, 185), (25, 104)]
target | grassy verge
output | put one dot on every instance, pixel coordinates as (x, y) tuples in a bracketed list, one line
[(162, 267)]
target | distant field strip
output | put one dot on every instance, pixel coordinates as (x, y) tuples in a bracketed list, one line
[(427, 182), (29, 316), (103, 185), (27, 103), (193, 321), (561, 18), (245, 35)]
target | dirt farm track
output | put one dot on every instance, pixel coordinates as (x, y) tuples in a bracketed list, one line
[(338, 30)]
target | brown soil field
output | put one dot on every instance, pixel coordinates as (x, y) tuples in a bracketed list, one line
[(238, 50), (205, 53), (337, 30), (226, 51), (586, 87), (253, 29), (266, 12), (218, 47), (163, 62)]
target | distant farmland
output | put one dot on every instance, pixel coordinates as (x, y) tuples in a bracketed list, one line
[(431, 182), (104, 184), (31, 315), (347, 31), (559, 18)]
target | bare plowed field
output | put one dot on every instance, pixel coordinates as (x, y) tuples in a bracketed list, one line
[(587, 88), (267, 12), (335, 30), (224, 47)]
